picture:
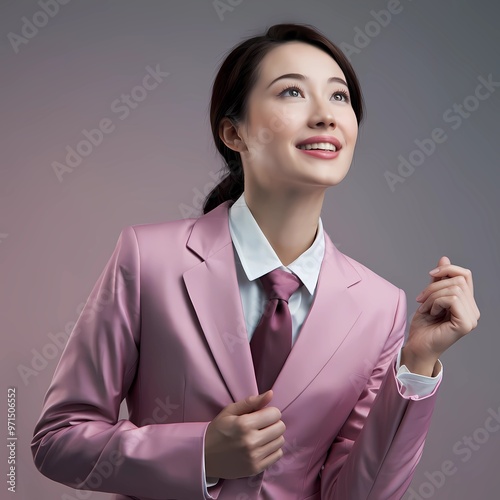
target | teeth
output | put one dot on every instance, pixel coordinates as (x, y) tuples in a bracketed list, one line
[(319, 145)]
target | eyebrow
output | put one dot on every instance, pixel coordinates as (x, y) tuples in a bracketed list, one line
[(298, 76)]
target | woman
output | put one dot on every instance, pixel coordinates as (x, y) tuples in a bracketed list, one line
[(187, 324)]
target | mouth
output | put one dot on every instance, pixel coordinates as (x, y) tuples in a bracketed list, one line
[(318, 146), (325, 154), (320, 143)]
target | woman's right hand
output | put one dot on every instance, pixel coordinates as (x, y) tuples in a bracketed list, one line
[(244, 438)]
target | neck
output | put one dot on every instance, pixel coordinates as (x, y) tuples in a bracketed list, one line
[(289, 220)]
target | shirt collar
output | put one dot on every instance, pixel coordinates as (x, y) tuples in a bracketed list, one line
[(258, 257)]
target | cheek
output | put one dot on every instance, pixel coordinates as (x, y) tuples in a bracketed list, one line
[(279, 120), (273, 135), (354, 132), (351, 127)]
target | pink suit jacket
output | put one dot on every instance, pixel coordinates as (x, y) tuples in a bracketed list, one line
[(164, 328)]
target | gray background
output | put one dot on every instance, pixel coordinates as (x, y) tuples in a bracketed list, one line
[(56, 236)]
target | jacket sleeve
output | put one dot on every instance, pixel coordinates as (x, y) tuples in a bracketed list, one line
[(78, 440), (379, 446)]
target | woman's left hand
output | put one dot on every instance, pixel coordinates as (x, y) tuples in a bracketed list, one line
[(448, 312)]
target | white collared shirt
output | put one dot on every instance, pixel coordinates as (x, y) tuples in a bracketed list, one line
[(254, 256)]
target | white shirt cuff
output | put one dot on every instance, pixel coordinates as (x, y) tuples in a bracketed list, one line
[(207, 481), (415, 384)]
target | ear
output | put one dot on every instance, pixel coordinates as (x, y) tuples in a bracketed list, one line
[(229, 135)]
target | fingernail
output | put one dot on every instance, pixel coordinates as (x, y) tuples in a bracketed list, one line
[(434, 271), (419, 296)]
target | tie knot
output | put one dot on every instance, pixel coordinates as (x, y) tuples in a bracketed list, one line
[(279, 284)]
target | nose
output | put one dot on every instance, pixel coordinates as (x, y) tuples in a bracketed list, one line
[(323, 116)]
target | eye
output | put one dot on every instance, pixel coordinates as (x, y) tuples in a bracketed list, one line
[(344, 95), (290, 88)]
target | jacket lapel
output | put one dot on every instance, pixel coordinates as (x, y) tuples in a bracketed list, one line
[(332, 315), (212, 286)]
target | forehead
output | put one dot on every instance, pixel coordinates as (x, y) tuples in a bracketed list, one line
[(298, 57)]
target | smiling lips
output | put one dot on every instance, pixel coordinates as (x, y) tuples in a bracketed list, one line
[(327, 146), (321, 146), (325, 154), (320, 142)]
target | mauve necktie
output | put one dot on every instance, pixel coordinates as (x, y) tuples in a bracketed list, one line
[(272, 338)]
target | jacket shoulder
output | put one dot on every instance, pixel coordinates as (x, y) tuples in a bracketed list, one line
[(154, 234), (376, 286), (160, 245)]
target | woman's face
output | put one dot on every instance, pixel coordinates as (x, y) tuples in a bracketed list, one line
[(279, 118)]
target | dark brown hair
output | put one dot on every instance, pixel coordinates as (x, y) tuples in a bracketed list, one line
[(237, 75)]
